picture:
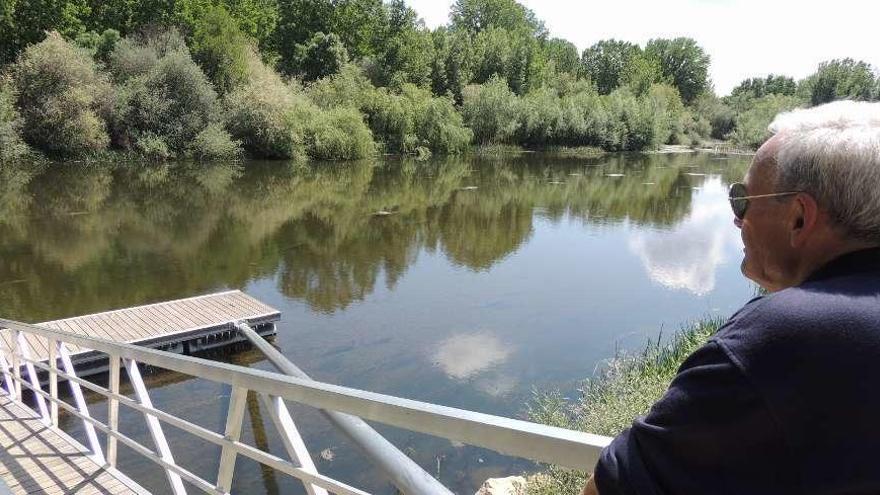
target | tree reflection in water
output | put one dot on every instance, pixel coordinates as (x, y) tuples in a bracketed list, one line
[(79, 238)]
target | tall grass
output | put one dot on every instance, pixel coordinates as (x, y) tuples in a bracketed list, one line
[(625, 389)]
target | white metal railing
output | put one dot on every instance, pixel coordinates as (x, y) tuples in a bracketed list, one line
[(541, 443)]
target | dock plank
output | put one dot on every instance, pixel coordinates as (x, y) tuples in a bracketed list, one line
[(39, 459), (159, 322)]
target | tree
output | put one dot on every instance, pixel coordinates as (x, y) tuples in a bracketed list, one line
[(564, 55), (840, 79), (605, 62), (683, 63), (757, 87), (408, 50), (475, 16), (324, 55), (221, 49)]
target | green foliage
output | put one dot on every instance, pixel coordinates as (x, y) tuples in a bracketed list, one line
[(452, 67), (339, 134), (564, 56), (717, 115), (475, 16), (214, 143), (626, 389), (757, 87), (221, 49), (408, 50), (322, 56), (632, 124), (605, 63), (265, 115), (683, 63), (751, 125), (840, 79), (415, 119), (62, 98), (99, 45), (402, 120), (11, 145), (172, 100), (491, 110), (672, 119)]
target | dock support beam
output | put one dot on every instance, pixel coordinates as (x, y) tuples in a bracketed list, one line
[(404, 473)]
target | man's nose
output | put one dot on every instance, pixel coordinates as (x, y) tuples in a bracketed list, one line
[(738, 222)]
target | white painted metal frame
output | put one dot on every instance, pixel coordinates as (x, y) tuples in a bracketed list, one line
[(520, 438)]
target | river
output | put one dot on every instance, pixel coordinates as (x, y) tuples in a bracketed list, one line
[(468, 282)]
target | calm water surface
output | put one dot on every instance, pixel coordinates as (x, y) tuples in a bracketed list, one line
[(468, 282)]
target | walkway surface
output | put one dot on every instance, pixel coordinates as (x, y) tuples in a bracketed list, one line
[(37, 459), (157, 323)]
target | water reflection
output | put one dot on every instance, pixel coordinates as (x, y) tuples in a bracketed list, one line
[(687, 256), (462, 356), (87, 230)]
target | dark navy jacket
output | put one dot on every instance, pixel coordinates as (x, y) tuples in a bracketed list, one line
[(785, 398)]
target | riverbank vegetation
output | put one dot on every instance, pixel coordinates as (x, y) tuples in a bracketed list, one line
[(345, 79), (625, 388)]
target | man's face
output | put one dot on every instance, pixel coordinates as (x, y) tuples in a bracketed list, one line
[(768, 255)]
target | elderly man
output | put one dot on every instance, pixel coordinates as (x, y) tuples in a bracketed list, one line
[(785, 398)]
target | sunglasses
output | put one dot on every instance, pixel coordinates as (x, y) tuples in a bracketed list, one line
[(739, 200)]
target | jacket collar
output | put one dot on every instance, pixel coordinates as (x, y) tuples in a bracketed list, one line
[(865, 260)]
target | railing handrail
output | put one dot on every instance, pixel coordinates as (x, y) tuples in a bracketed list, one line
[(542, 443)]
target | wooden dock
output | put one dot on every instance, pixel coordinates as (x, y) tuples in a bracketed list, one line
[(184, 326), (38, 459)]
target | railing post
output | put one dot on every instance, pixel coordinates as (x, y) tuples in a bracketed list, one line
[(16, 367), (53, 380), (76, 390), (113, 409), (291, 438), (10, 385), (234, 417), (32, 377), (140, 391)]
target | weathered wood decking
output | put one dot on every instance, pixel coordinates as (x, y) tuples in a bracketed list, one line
[(183, 325), (38, 459)]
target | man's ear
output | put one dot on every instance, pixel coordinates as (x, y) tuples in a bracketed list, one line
[(804, 218)]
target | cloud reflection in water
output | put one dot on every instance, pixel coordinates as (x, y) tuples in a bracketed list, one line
[(463, 356), (687, 256)]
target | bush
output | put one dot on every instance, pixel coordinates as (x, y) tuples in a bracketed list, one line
[(339, 134), (214, 143), (632, 124), (402, 121), (173, 100), (221, 49), (153, 147), (268, 116), (751, 125), (62, 97), (491, 110), (672, 120), (11, 145), (414, 119)]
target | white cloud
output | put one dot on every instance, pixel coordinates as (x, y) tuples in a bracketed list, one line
[(688, 255), (745, 38)]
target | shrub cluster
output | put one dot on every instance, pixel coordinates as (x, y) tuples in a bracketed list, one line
[(62, 97), (407, 121), (11, 145), (576, 115)]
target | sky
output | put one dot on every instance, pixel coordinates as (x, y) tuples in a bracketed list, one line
[(744, 38)]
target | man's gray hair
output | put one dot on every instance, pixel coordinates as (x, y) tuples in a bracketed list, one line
[(832, 152)]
